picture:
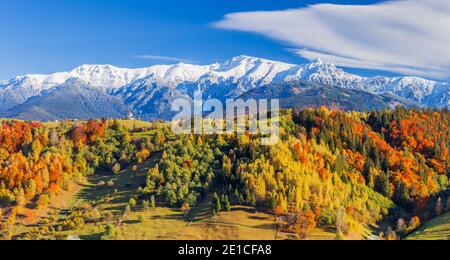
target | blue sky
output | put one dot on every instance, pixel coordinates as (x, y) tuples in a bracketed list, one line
[(43, 36)]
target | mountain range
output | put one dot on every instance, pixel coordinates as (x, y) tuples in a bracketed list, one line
[(107, 91)]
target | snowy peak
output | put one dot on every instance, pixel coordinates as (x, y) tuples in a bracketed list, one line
[(185, 73), (318, 63), (93, 68), (107, 76), (323, 73), (251, 70), (246, 61), (231, 78), (113, 77)]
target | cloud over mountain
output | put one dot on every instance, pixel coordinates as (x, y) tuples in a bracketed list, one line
[(402, 36)]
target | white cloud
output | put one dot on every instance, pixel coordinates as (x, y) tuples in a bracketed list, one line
[(403, 36), (161, 58)]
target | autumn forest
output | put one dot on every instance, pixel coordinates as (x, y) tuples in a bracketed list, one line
[(359, 175)]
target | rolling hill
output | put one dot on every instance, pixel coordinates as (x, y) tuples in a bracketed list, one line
[(436, 229)]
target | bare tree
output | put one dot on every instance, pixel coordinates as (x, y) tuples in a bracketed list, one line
[(54, 139), (438, 207)]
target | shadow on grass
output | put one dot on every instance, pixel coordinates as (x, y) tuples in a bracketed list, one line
[(114, 208), (245, 209), (171, 216), (91, 237), (258, 218), (266, 226), (131, 222), (124, 184)]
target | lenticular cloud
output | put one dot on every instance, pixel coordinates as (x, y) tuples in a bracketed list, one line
[(403, 36)]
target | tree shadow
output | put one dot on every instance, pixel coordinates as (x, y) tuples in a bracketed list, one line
[(171, 216), (245, 209), (258, 218), (131, 222), (267, 226), (97, 236)]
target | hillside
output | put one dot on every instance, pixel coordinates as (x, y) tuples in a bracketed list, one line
[(333, 174), (162, 223), (436, 229), (301, 95), (74, 99)]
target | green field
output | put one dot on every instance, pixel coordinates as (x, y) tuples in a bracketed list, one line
[(436, 229)]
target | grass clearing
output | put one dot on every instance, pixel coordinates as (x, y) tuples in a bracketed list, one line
[(134, 124), (436, 229), (141, 135)]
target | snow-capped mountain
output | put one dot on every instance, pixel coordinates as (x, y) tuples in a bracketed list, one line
[(414, 88), (72, 99), (139, 88)]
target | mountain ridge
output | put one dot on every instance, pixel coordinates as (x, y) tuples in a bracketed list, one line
[(74, 99), (230, 79)]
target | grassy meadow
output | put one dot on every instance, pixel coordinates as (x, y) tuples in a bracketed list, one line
[(436, 229)]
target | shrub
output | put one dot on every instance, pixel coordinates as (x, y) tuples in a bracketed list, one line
[(42, 201), (340, 235), (109, 233), (304, 223), (110, 184), (127, 209), (116, 168), (146, 204), (6, 199), (186, 209), (401, 226), (327, 218), (153, 202), (132, 203), (107, 216), (413, 224)]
